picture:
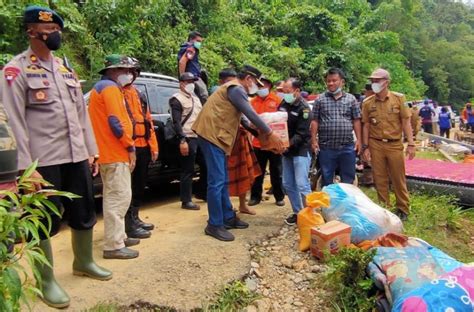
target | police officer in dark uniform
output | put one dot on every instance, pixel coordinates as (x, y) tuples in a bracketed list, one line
[(43, 99), (297, 159)]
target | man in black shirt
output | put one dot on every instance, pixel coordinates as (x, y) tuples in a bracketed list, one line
[(297, 159), (185, 107)]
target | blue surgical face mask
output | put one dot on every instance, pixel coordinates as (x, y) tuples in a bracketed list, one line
[(281, 95), (289, 98), (335, 92), (197, 44), (263, 93)]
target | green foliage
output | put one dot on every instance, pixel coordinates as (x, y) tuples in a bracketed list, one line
[(234, 297), (414, 39), (21, 216), (347, 278)]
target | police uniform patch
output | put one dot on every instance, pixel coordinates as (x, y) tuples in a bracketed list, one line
[(34, 69), (10, 74), (63, 69), (40, 95), (305, 113), (45, 16)]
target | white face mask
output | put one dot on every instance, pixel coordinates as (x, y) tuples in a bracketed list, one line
[(189, 88), (253, 88), (377, 87), (124, 79)]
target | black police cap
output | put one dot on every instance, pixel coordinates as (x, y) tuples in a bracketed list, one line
[(36, 14)]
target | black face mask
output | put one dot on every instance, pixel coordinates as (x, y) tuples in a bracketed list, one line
[(53, 40)]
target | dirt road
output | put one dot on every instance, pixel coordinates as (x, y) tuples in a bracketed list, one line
[(178, 266)]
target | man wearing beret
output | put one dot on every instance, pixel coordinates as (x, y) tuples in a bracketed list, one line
[(217, 126), (49, 118)]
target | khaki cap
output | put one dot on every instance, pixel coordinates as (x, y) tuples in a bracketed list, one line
[(380, 73)]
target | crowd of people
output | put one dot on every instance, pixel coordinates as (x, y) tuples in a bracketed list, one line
[(222, 131)]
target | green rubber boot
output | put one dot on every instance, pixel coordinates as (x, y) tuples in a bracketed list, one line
[(84, 264), (52, 293)]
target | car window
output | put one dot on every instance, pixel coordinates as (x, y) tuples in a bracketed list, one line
[(159, 98), (140, 87)]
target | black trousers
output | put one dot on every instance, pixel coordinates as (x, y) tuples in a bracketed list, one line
[(75, 178), (444, 132), (428, 128), (140, 174), (263, 158), (187, 171)]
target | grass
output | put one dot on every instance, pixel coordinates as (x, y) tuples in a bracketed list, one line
[(434, 155), (234, 297), (440, 222)]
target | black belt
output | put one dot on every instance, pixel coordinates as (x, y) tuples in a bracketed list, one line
[(386, 140)]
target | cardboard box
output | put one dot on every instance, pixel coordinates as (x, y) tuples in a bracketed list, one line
[(277, 121), (330, 236), (280, 129)]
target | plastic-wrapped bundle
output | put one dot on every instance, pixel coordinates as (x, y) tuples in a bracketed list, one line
[(367, 219), (274, 117)]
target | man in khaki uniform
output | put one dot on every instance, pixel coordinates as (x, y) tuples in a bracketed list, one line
[(386, 116), (43, 99)]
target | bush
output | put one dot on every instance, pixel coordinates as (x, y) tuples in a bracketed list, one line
[(347, 278), (20, 221)]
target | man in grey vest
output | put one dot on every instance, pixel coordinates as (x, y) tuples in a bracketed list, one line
[(185, 107)]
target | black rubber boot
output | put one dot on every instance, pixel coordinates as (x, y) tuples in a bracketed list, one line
[(132, 228), (138, 221)]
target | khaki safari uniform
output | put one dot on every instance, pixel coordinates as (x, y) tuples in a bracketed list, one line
[(49, 118), (385, 145), (47, 112)]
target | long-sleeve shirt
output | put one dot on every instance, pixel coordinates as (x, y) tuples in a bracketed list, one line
[(46, 109), (299, 120), (239, 98), (111, 122)]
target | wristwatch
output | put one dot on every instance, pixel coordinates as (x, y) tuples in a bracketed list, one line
[(365, 146)]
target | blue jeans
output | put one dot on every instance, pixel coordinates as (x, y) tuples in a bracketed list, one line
[(342, 159), (218, 200), (296, 180)]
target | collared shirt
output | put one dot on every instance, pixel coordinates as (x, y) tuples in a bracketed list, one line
[(48, 116), (299, 120), (335, 119), (385, 116)]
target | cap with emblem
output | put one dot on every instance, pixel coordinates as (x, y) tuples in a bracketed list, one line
[(254, 72), (36, 14), (118, 61), (187, 76), (380, 73)]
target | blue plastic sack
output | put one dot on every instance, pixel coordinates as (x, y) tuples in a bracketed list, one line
[(367, 219)]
